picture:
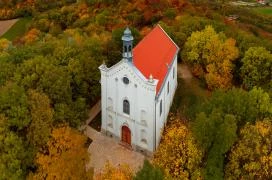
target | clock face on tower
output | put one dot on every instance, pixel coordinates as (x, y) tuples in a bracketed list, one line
[(125, 80)]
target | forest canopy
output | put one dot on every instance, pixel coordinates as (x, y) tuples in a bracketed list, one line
[(49, 79)]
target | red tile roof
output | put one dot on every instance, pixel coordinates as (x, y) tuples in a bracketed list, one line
[(153, 54)]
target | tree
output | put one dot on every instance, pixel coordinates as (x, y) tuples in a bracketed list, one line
[(39, 130), (218, 120), (213, 55), (13, 104), (66, 157), (15, 157), (123, 172), (149, 172), (257, 68), (7, 70), (40, 73), (216, 134), (31, 36), (5, 44), (245, 106), (251, 157), (178, 155)]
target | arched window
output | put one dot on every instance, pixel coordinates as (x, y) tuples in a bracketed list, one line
[(126, 108), (129, 48), (110, 121), (110, 103), (125, 49), (143, 117), (168, 88), (143, 136), (160, 107)]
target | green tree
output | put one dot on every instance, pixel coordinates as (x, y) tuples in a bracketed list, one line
[(40, 73), (251, 157), (245, 106), (13, 104), (149, 172), (7, 70), (218, 120), (216, 134), (15, 157), (257, 68)]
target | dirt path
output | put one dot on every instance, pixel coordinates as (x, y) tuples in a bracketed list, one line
[(5, 25), (191, 82), (184, 72)]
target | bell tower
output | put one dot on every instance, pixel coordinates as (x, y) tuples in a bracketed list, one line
[(127, 45)]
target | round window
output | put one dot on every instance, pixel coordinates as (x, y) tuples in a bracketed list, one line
[(125, 80)]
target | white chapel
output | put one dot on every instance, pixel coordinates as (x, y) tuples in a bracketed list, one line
[(137, 92)]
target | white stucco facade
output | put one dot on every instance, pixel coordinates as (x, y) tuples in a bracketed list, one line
[(148, 109)]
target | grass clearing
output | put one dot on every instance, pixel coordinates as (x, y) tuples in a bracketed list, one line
[(18, 29), (188, 96), (264, 10)]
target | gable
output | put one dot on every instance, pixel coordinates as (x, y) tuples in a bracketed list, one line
[(125, 68), (154, 55)]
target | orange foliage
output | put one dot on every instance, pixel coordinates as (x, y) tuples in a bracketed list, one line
[(31, 36), (66, 157)]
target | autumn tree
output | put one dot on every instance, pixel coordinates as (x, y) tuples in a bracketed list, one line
[(178, 155), (39, 130), (212, 56), (66, 157), (109, 171), (257, 68), (31, 36), (4, 44), (251, 157)]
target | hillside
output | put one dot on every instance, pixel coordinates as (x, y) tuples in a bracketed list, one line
[(219, 126)]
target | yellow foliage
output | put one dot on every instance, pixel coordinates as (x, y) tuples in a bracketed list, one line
[(41, 118), (4, 44), (122, 172), (251, 157), (66, 157), (178, 154), (212, 55), (219, 67)]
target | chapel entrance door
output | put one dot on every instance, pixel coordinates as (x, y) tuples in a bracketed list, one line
[(126, 135)]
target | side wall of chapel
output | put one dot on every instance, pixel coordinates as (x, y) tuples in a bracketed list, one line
[(165, 99)]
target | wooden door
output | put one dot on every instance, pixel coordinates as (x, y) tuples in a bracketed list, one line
[(126, 135)]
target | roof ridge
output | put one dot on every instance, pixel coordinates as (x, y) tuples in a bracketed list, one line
[(167, 35)]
